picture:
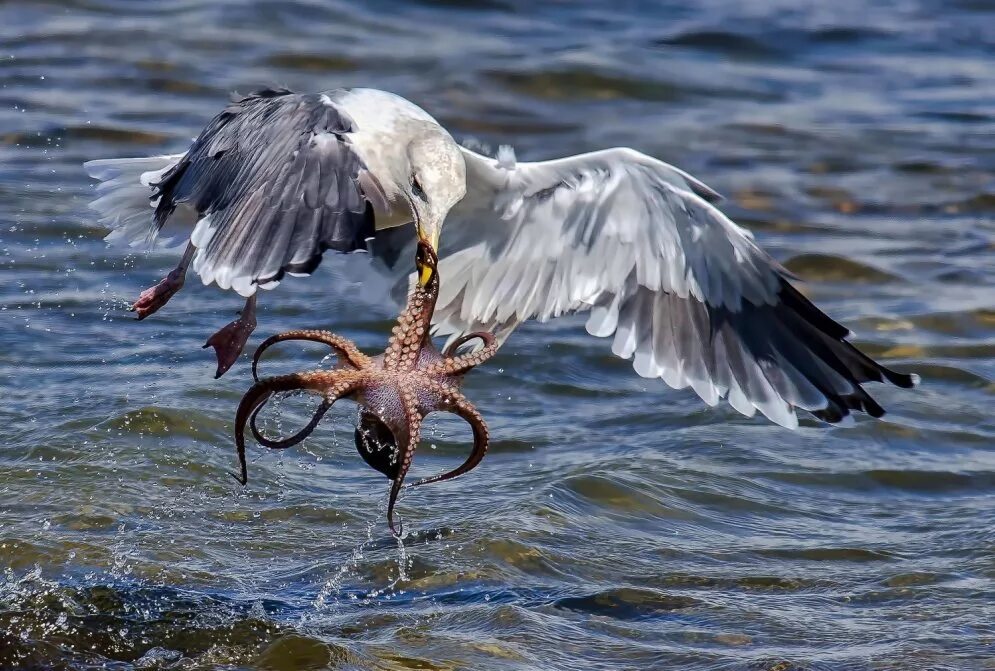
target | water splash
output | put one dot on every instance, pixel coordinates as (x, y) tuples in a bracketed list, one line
[(324, 604)]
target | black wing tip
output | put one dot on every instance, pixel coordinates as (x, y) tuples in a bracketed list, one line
[(808, 311), (839, 408), (903, 380), (826, 339), (876, 372), (841, 405)]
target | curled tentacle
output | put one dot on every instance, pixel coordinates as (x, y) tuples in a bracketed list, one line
[(457, 365), (343, 347), (395, 490), (251, 401), (332, 384), (290, 441), (486, 336), (462, 407), (406, 453)]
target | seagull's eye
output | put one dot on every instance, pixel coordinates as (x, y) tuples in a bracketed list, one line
[(417, 190)]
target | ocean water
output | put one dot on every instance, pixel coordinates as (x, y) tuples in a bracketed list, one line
[(616, 523)]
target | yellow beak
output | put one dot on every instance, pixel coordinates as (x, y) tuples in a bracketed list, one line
[(424, 276), (424, 272)]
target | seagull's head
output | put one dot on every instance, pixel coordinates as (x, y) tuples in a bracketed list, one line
[(436, 181)]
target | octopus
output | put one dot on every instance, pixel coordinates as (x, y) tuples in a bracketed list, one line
[(395, 390)]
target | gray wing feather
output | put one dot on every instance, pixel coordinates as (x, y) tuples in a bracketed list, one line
[(682, 290), (276, 183)]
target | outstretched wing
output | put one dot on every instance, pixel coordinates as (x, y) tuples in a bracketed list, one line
[(275, 182), (685, 292)]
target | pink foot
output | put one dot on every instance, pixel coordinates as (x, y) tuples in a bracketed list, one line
[(230, 340), (155, 297)]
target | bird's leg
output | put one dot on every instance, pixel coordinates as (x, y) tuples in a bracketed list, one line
[(229, 341), (344, 349), (332, 385), (456, 403), (155, 297)]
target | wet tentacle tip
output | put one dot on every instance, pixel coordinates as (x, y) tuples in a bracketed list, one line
[(397, 531)]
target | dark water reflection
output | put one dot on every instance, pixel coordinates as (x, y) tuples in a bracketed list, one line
[(617, 524)]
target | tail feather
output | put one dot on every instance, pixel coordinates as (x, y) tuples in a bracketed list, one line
[(124, 202)]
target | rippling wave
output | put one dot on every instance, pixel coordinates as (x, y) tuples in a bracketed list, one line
[(616, 524)]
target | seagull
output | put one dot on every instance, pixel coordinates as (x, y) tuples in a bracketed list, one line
[(278, 178)]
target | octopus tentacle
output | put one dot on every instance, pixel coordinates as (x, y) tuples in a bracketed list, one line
[(460, 406), (414, 324), (395, 392), (290, 441), (457, 365), (331, 384), (344, 348), (486, 336), (406, 450)]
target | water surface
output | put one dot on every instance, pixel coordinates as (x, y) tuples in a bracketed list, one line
[(616, 524)]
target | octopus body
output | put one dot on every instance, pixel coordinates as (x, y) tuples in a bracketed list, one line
[(395, 390)]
